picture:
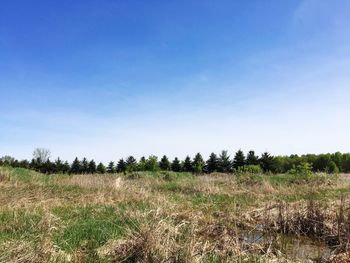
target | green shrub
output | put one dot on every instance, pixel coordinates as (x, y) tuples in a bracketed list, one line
[(301, 169), (301, 172), (332, 168), (167, 176), (249, 169)]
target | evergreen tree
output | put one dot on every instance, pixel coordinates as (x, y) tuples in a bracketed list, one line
[(337, 158), (33, 164), (224, 162), (58, 166), (164, 163), (15, 163), (111, 168), (131, 164), (101, 168), (187, 165), (92, 167), (252, 159), (142, 164), (84, 166), (212, 164), (121, 166), (152, 164), (267, 162), (24, 164), (198, 164), (175, 165), (47, 167), (76, 166), (239, 159), (65, 167), (346, 163)]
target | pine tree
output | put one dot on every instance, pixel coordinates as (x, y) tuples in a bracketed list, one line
[(47, 167), (252, 159), (141, 166), (24, 164), (121, 166), (224, 162), (92, 167), (152, 164), (65, 167), (58, 166), (84, 166), (131, 164), (101, 168), (239, 159), (212, 165), (111, 168), (198, 164), (76, 167), (266, 162), (15, 163), (33, 164), (164, 163), (175, 165), (187, 165)]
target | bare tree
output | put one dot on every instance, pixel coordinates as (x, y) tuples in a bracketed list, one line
[(41, 154)]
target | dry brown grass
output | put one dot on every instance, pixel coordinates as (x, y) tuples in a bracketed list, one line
[(185, 220), (90, 181)]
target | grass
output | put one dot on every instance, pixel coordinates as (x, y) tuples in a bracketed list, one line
[(152, 217), (19, 224), (90, 227)]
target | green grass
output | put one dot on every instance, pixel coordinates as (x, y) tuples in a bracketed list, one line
[(20, 224), (27, 176), (177, 187), (94, 224), (80, 227)]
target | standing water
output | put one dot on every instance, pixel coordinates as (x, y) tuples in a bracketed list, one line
[(291, 246)]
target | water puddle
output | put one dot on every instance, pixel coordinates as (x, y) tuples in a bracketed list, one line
[(291, 246)]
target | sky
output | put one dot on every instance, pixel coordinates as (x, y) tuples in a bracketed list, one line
[(111, 78)]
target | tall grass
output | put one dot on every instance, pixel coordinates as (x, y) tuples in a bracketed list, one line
[(164, 216)]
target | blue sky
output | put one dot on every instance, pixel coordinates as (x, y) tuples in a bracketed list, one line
[(106, 79)]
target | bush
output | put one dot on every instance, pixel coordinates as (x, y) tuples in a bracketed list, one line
[(167, 176), (303, 173), (302, 169), (332, 168), (249, 169)]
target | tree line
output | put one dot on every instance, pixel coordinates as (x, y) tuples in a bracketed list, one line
[(250, 162)]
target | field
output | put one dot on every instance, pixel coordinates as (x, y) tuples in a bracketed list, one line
[(173, 217)]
